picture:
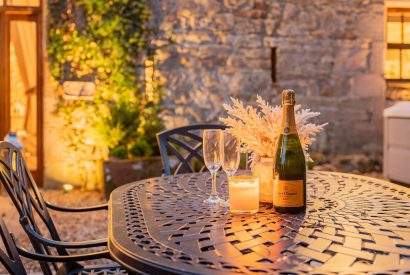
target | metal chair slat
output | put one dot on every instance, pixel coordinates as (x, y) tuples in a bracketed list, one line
[(167, 138)]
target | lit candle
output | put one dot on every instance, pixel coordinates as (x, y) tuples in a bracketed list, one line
[(244, 194)]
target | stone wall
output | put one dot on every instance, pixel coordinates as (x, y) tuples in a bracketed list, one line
[(330, 52)]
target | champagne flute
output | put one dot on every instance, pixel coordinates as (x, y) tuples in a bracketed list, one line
[(231, 156), (212, 150), (231, 153)]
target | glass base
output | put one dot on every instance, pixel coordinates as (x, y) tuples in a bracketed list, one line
[(225, 203), (213, 200), (233, 211)]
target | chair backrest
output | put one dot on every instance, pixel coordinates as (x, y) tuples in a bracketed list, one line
[(185, 143), (23, 191), (9, 256)]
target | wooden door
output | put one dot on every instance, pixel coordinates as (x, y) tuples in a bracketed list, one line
[(21, 86)]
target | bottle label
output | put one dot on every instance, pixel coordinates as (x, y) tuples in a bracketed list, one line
[(288, 193)]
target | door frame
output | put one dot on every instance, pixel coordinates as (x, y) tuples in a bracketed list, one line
[(32, 14)]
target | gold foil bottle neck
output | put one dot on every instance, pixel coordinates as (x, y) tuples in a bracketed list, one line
[(288, 97)]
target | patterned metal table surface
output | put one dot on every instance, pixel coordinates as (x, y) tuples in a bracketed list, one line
[(353, 225)]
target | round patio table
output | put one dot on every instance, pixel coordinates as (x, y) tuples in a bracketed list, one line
[(353, 225)]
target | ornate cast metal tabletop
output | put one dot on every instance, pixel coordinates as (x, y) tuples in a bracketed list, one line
[(353, 225)]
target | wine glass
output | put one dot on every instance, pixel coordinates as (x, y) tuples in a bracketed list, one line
[(231, 153), (212, 149)]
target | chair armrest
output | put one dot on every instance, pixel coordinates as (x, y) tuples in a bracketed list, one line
[(63, 259), (77, 209), (60, 244)]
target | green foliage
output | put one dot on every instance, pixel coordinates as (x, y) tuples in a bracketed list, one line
[(105, 42)]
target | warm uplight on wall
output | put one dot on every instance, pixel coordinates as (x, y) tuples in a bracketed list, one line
[(68, 187)]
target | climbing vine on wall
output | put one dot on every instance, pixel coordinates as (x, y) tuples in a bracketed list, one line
[(108, 44)]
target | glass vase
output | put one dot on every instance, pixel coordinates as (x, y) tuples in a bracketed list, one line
[(263, 170)]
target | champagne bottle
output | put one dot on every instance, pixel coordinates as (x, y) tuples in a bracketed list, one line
[(289, 186)]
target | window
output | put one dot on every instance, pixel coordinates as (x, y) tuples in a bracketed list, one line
[(273, 60), (397, 63), (21, 78)]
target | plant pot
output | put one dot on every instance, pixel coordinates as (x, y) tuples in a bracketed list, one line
[(263, 170), (119, 172)]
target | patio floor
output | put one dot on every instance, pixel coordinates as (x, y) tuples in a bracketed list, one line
[(93, 225), (71, 226)]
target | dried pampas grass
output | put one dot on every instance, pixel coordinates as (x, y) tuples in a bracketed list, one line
[(259, 128)]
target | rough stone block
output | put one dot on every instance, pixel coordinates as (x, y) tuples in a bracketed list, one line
[(218, 54), (198, 37), (270, 26), (262, 53), (248, 26), (175, 121), (224, 22), (377, 50), (275, 10), (245, 41), (372, 24), (351, 60), (242, 5), (271, 41), (365, 85)]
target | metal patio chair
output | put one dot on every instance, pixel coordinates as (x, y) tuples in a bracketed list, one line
[(185, 143), (33, 210), (11, 260), (9, 257)]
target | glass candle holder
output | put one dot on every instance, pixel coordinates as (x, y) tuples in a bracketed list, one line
[(243, 194), (263, 170)]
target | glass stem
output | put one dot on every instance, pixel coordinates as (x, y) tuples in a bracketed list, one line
[(213, 184)]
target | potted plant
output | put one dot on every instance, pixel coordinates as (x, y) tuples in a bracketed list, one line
[(129, 130)]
